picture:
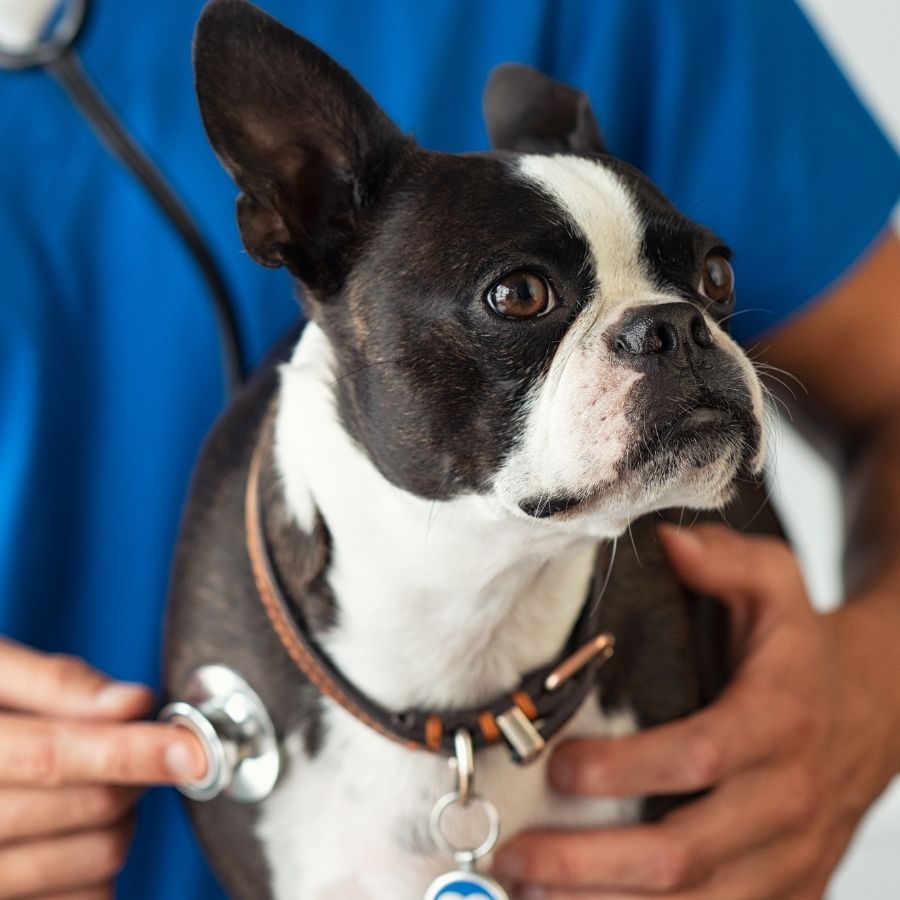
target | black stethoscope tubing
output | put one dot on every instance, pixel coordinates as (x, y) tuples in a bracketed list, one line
[(56, 55)]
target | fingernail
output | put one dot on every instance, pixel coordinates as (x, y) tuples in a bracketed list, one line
[(182, 762), (508, 864), (120, 694)]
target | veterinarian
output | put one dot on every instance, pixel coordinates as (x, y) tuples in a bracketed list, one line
[(110, 373)]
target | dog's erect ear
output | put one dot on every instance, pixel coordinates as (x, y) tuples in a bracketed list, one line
[(308, 147), (531, 113)]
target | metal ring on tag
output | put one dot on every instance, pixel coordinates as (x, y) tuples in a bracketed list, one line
[(465, 765), (465, 854)]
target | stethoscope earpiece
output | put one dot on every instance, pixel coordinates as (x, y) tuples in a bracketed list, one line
[(235, 731)]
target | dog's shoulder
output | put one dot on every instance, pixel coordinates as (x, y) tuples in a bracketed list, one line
[(214, 611)]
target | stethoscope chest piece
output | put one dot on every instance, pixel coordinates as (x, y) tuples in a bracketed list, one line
[(237, 735)]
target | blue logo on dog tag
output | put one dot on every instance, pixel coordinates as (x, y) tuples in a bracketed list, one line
[(465, 886)]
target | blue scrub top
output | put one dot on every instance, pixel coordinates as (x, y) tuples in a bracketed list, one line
[(109, 363)]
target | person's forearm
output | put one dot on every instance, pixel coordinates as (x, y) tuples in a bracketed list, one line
[(872, 496), (868, 625), (866, 628), (846, 351)]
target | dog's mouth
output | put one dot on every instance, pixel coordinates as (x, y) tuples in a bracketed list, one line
[(698, 434), (710, 430)]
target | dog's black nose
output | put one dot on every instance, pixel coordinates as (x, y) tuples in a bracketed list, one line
[(665, 331)]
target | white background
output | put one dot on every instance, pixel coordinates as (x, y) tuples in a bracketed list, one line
[(864, 35)]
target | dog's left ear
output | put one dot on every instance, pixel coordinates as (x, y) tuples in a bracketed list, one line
[(310, 150), (528, 112)]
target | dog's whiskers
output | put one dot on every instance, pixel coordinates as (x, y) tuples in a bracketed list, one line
[(637, 555), (740, 312), (765, 373), (770, 409), (598, 597)]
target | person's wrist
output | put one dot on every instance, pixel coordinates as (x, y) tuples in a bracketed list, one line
[(866, 635)]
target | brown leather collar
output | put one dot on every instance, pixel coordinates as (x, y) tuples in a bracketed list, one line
[(526, 717)]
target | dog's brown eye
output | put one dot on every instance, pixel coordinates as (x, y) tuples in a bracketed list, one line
[(718, 278), (521, 295)]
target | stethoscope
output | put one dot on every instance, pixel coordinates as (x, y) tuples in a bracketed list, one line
[(218, 706), (53, 50)]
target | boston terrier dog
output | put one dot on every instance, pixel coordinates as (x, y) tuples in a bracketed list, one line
[(400, 533)]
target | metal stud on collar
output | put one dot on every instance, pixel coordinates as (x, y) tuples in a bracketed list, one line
[(235, 731)]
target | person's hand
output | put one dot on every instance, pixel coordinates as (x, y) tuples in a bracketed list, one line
[(791, 754), (70, 761)]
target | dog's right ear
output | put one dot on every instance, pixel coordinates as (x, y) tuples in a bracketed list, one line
[(308, 147)]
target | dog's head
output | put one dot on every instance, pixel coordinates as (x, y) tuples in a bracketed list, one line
[(537, 325)]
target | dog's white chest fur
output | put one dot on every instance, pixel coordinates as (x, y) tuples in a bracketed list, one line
[(353, 822), (445, 605)]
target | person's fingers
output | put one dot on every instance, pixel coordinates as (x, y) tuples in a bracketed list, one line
[(541, 893), (104, 892), (778, 869), (745, 813), (689, 844), (638, 858), (743, 728), (87, 859), (65, 686), (48, 753), (739, 569), (28, 813), (717, 559), (787, 867)]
